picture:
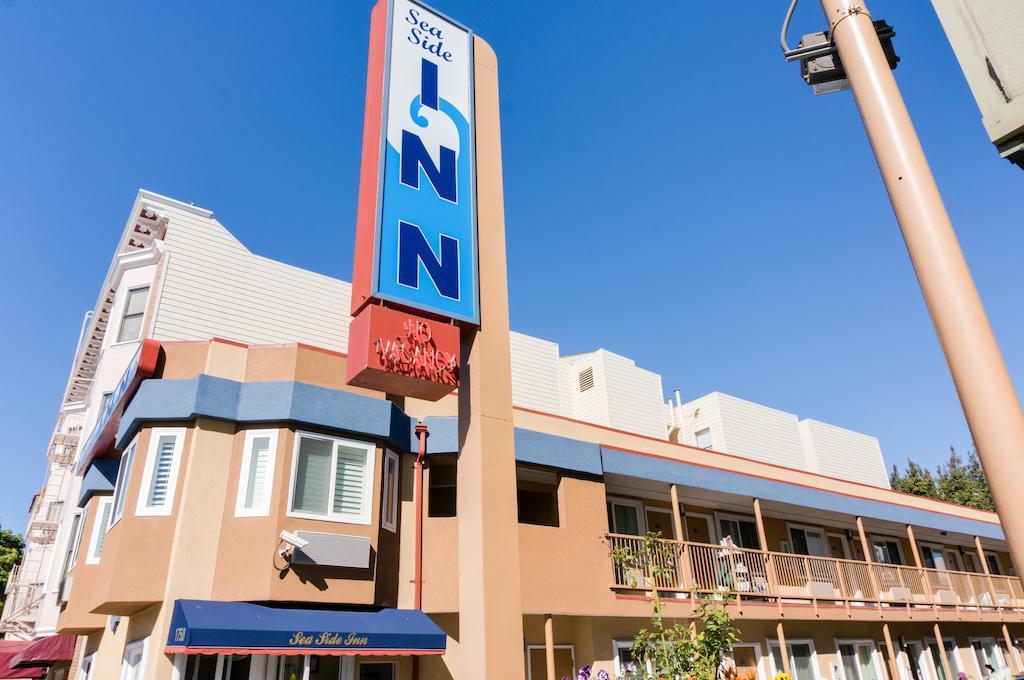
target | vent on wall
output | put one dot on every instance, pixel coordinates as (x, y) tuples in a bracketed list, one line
[(586, 379)]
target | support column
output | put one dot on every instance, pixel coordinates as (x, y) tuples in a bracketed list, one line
[(549, 646), (894, 663), (866, 547), (947, 668), (913, 546), (759, 520), (490, 597), (781, 634), (1015, 662), (984, 568), (677, 518)]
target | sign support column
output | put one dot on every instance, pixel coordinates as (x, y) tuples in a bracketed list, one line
[(490, 600)]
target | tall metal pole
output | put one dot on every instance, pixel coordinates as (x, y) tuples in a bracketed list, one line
[(986, 392)]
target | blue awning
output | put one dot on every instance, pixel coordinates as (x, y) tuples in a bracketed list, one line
[(207, 627)]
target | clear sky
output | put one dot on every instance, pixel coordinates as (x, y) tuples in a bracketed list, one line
[(673, 191)]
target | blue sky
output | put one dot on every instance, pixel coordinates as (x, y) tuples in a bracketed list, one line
[(673, 191)]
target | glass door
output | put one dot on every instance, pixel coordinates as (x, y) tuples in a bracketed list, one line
[(626, 517), (858, 661)]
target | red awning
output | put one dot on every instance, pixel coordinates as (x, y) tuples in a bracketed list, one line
[(10, 649), (45, 652)]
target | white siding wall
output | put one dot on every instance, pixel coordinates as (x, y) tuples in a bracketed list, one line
[(634, 396), (698, 414), (214, 287), (592, 404), (846, 454), (534, 373)]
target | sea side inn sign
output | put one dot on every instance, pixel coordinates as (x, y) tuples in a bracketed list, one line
[(415, 273)]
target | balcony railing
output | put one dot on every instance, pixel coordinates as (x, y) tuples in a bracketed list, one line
[(744, 574)]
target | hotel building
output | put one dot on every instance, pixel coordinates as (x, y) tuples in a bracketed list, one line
[(220, 504)]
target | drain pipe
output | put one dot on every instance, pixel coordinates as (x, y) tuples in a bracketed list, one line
[(417, 500)]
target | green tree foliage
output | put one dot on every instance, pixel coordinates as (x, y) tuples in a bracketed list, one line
[(11, 547), (695, 650), (955, 481)]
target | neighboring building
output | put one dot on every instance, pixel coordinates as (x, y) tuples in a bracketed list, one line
[(731, 425), (210, 388)]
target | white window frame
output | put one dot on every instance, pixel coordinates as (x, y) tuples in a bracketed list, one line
[(389, 496), (121, 485), (97, 531), (142, 643), (636, 505), (876, 655), (883, 538), (529, 658), (774, 642), (696, 439), (263, 509), (954, 653), (123, 307), (617, 646), (90, 660), (371, 466), (76, 539), (141, 507), (974, 653), (808, 528), (758, 656), (735, 517)]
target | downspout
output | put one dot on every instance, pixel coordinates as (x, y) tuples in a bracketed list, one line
[(417, 496)]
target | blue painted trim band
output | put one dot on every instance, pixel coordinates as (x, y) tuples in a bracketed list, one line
[(686, 474), (551, 450), (100, 479), (280, 401)]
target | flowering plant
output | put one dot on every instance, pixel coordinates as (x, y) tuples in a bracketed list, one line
[(782, 676)]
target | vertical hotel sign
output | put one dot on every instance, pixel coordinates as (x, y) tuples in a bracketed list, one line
[(416, 242)]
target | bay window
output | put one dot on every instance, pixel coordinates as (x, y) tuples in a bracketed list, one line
[(332, 479)]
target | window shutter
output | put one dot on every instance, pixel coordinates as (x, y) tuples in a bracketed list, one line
[(162, 472), (104, 522), (256, 485), (349, 479), (312, 476)]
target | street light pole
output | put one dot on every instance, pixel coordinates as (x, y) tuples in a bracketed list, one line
[(986, 391)]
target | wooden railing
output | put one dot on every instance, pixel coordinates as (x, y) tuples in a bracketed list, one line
[(684, 567)]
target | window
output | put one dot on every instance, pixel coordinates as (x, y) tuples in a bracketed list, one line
[(389, 494), (131, 318), (988, 656), (441, 494), (134, 661), (858, 660), (332, 479), (703, 438), (377, 671), (160, 477), (56, 508), (99, 530), (85, 669), (72, 552), (801, 659), (742, 529), (951, 654), (124, 473), (933, 557), (256, 480), (993, 563), (104, 402), (808, 541), (626, 517), (537, 496), (887, 550)]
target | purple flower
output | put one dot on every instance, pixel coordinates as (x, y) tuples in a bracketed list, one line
[(584, 673), (603, 675)]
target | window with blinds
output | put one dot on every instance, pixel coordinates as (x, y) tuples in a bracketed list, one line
[(104, 508), (257, 473), (124, 473), (161, 474), (332, 479)]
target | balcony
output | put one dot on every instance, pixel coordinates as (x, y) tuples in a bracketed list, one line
[(784, 578), (43, 532)]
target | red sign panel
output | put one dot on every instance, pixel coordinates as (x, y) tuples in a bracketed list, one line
[(400, 353)]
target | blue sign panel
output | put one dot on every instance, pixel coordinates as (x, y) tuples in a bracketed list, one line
[(426, 250)]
